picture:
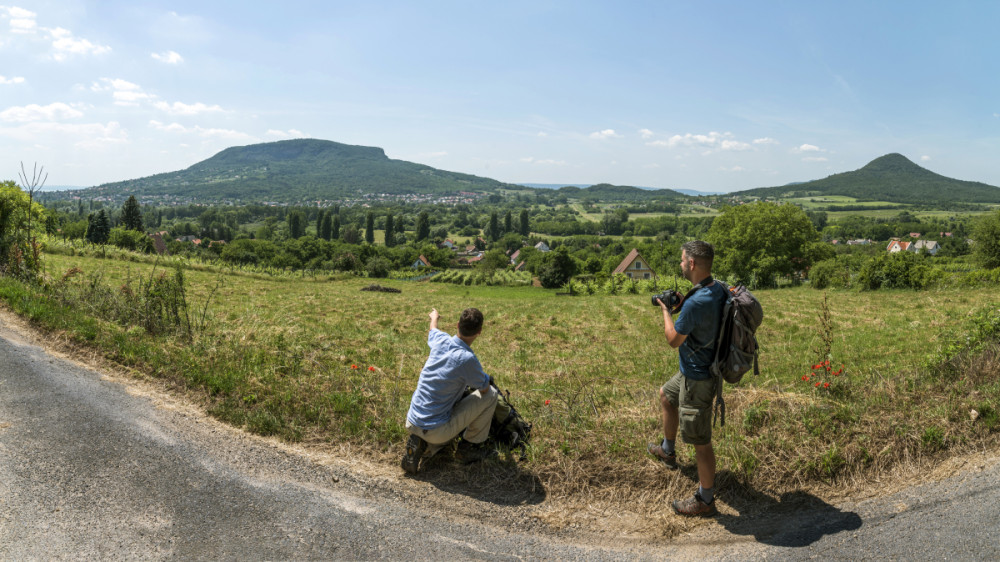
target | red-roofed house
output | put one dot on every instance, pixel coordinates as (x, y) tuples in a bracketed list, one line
[(421, 262), (635, 266), (897, 246)]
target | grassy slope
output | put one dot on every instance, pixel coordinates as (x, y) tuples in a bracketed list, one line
[(278, 356)]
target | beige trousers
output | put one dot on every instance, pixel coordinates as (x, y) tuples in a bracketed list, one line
[(472, 413)]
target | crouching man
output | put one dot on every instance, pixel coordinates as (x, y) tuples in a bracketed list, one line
[(438, 412)]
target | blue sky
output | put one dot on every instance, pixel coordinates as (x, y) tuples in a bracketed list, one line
[(716, 96)]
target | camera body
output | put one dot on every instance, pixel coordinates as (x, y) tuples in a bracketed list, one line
[(669, 297)]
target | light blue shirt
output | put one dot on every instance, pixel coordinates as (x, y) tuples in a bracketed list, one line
[(450, 368)]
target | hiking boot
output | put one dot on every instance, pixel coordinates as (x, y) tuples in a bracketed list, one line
[(469, 453), (695, 507), (415, 447), (656, 449)]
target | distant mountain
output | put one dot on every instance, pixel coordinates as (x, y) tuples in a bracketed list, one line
[(554, 185), (893, 178), (608, 192), (696, 193), (299, 170)]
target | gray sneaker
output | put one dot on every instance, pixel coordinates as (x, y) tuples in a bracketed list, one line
[(415, 447)]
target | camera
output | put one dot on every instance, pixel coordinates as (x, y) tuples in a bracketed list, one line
[(669, 297)]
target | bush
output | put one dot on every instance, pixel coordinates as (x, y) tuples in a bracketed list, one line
[(378, 267), (900, 270), (830, 273)]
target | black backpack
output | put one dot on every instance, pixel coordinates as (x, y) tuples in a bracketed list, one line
[(736, 346), (508, 428)]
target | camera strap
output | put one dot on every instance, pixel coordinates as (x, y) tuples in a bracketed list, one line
[(701, 284)]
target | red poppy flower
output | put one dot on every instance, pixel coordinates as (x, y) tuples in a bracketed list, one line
[(826, 385), (840, 370), (827, 362), (816, 366), (817, 384), (354, 366), (546, 402), (805, 377), (371, 368)]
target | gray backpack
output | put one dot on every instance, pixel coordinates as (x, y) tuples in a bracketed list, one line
[(736, 346)]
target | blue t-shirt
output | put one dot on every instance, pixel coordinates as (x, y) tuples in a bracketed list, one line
[(699, 321), (450, 368)]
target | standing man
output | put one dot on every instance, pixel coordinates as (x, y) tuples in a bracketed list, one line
[(687, 397), (438, 413)]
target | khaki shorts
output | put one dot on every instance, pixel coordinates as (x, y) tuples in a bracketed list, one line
[(693, 400)]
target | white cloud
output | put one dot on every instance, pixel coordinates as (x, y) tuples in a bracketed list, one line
[(179, 108), (711, 141), (289, 134), (124, 93), (645, 133), (203, 132), (605, 134), (814, 159), (64, 45), (545, 162), (542, 134), (925, 158), (808, 148), (35, 112), (169, 57), (765, 141), (21, 20), (89, 134), (12, 80), (734, 145)]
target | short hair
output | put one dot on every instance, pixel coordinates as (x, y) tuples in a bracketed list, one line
[(471, 322), (702, 252)]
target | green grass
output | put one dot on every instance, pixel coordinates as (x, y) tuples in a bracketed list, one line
[(319, 359)]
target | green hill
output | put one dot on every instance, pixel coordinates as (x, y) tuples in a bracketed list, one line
[(608, 192), (296, 171), (892, 177)]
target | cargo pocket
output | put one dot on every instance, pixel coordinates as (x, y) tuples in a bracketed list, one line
[(693, 426)]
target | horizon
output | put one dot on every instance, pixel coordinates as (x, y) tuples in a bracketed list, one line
[(714, 98)]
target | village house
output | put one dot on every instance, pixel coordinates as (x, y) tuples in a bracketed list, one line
[(634, 266), (930, 246), (421, 262), (898, 246), (542, 247)]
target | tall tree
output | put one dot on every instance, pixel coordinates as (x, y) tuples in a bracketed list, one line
[(508, 223), (760, 241), (524, 229), (132, 215), (390, 232), (99, 228), (494, 227), (326, 229), (986, 233), (320, 215), (370, 227), (296, 225), (335, 230), (423, 226)]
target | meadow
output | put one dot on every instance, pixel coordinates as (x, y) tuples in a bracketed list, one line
[(318, 360)]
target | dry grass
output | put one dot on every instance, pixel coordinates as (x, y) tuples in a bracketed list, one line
[(278, 355)]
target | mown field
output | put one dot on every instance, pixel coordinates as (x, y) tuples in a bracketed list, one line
[(316, 359)]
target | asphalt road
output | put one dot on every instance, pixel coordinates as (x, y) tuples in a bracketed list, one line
[(90, 468)]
